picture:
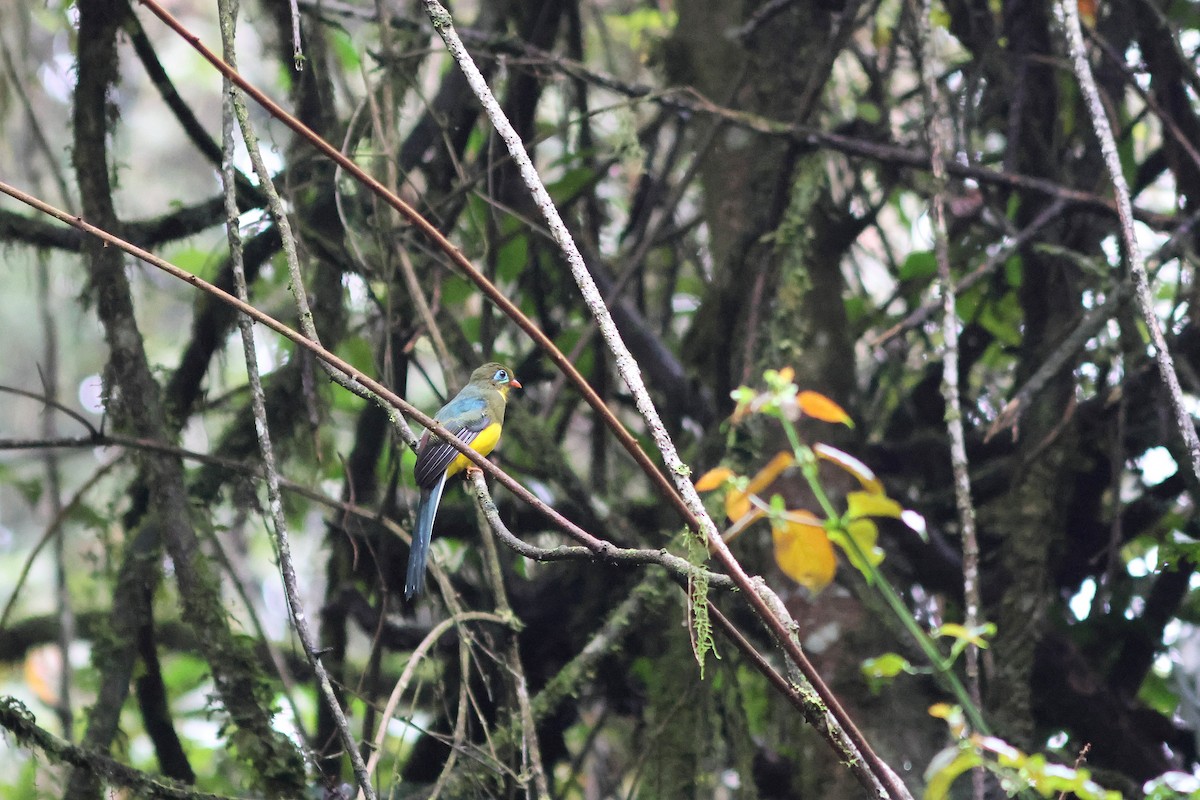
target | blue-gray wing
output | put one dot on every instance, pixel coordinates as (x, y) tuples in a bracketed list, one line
[(434, 455), (465, 417)]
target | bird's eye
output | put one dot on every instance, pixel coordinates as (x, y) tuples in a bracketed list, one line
[(501, 376)]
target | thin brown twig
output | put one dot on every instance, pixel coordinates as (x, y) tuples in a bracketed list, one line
[(17, 84), (356, 376), (235, 563), (871, 771), (460, 261), (1089, 326), (595, 546), (55, 404), (799, 695), (410, 668), (1166, 119), (1079, 762), (566, 683), (228, 464), (234, 107), (690, 101)]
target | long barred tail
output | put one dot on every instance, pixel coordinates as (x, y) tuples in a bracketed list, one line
[(422, 533)]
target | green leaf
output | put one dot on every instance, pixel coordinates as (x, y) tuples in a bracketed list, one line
[(456, 290), (869, 112), (29, 488), (856, 309), (184, 673), (888, 665), (857, 540), (919, 264), (199, 262), (1014, 271), (512, 258), (1157, 693), (571, 183), (359, 353), (757, 698), (640, 26), (1014, 205), (344, 48), (880, 671), (1003, 319)]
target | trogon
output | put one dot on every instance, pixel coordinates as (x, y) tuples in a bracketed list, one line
[(475, 417)]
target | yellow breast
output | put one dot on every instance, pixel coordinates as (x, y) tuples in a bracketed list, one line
[(483, 444)]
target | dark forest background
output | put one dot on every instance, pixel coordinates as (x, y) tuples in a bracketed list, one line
[(750, 186)]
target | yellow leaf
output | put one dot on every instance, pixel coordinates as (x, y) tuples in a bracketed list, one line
[(858, 542), (865, 534), (804, 554), (945, 769), (852, 465), (953, 715), (941, 710), (818, 406), (713, 479), (866, 504), (954, 630), (739, 526), (737, 503)]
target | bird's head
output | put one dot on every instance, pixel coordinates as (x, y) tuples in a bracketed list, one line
[(496, 376)]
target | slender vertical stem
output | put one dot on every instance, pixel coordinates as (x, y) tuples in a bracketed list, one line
[(938, 138), (53, 494), (1069, 14), (780, 624), (228, 13)]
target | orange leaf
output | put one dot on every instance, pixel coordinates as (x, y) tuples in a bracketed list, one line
[(1087, 12), (818, 406), (804, 554), (770, 472), (43, 666), (737, 503), (713, 479)]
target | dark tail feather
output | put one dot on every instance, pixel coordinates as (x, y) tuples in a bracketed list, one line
[(421, 534)]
